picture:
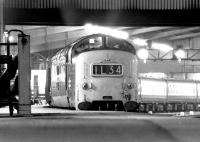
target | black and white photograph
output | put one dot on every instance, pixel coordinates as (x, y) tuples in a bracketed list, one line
[(99, 70)]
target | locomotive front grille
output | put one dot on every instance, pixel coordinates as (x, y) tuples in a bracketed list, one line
[(105, 105)]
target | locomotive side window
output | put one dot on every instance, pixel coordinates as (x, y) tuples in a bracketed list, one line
[(57, 85), (58, 70)]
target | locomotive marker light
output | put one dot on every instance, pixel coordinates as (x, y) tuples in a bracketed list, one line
[(131, 85), (85, 86)]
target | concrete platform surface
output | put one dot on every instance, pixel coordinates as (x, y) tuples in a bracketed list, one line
[(61, 125)]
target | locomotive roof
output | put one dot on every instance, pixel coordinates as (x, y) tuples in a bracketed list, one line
[(74, 45), (104, 40)]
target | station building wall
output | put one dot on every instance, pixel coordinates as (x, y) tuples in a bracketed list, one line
[(160, 66)]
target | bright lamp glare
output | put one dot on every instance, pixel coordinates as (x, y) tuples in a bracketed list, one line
[(143, 54), (6, 34), (180, 54), (41, 80), (162, 47), (94, 29), (140, 42), (87, 26), (11, 39)]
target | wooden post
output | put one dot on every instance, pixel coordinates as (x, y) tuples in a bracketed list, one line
[(24, 75)]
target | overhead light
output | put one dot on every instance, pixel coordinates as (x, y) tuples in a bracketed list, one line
[(94, 29), (11, 38), (180, 53), (140, 42), (143, 54), (6, 34), (161, 47)]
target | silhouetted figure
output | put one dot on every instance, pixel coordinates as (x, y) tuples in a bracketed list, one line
[(6, 77), (15, 93)]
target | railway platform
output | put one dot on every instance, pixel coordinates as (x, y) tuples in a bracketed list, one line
[(61, 125)]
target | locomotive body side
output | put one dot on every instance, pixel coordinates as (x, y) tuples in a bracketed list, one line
[(58, 93), (96, 88)]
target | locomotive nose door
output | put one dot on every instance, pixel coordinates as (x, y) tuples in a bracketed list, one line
[(107, 80)]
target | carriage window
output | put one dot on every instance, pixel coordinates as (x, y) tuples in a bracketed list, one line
[(58, 85), (58, 70)]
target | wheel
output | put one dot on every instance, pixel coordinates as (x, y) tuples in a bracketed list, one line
[(131, 106), (85, 106)]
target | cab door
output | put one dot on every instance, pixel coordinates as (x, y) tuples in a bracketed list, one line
[(70, 83)]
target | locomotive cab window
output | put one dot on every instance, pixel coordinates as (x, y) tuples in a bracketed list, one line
[(118, 44), (101, 42), (89, 44)]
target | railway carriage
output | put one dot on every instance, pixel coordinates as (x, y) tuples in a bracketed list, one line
[(96, 72), (168, 95)]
